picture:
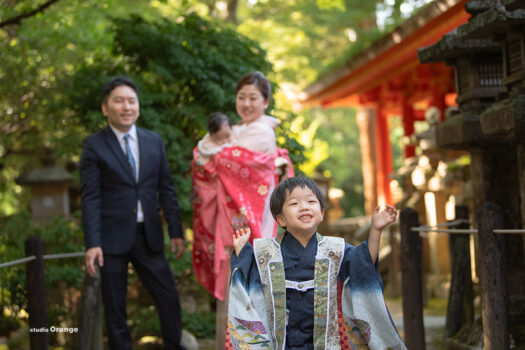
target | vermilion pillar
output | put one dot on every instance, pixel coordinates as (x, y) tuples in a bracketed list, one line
[(366, 122), (408, 127), (438, 100), (384, 157)]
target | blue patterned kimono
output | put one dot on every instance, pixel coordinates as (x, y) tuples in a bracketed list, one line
[(285, 296)]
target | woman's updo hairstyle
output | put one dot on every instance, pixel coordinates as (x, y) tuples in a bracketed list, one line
[(258, 79)]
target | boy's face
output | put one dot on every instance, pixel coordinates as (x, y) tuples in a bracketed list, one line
[(301, 213)]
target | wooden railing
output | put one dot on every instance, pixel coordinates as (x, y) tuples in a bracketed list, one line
[(493, 288), (90, 318)]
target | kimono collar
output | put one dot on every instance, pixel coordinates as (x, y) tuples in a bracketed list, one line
[(279, 238)]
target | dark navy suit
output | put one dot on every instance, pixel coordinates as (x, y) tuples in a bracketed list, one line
[(110, 195)]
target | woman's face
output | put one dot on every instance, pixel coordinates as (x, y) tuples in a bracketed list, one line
[(250, 103)]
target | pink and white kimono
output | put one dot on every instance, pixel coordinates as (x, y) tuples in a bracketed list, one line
[(231, 190)]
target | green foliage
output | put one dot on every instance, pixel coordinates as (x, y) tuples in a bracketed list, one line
[(338, 127), (201, 325), (61, 234), (185, 71), (62, 275), (8, 324), (143, 320), (302, 37)]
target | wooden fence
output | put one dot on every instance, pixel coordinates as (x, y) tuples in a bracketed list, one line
[(460, 310), (90, 317)]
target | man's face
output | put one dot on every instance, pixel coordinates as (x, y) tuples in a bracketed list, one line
[(301, 213), (122, 108)]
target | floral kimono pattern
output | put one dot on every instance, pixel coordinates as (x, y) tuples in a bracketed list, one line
[(230, 191)]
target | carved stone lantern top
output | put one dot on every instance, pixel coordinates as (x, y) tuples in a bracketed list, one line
[(513, 4), (452, 46), (47, 174), (493, 22), (49, 189)]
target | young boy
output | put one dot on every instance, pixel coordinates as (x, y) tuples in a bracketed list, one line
[(284, 291)]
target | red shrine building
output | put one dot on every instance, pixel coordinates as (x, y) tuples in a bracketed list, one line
[(387, 80)]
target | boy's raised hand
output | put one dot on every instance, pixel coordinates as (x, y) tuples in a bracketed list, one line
[(240, 238), (383, 218)]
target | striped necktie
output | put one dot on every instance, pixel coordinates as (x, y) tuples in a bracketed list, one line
[(131, 160)]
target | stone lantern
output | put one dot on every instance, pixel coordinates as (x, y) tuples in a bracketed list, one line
[(504, 121), (478, 71), (501, 164), (49, 189), (488, 54)]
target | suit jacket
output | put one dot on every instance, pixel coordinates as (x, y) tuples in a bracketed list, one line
[(110, 193)]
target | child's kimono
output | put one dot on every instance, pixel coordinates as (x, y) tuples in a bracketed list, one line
[(286, 296)]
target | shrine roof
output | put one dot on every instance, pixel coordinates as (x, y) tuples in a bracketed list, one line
[(371, 67)]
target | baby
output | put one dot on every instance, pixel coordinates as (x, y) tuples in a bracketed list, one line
[(219, 136)]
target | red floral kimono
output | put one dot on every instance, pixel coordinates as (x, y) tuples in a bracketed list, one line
[(230, 191)]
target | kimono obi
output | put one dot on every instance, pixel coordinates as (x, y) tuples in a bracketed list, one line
[(330, 252)]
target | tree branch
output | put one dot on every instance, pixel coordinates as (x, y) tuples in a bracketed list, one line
[(20, 17)]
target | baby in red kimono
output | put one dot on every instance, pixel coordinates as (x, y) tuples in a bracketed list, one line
[(220, 135)]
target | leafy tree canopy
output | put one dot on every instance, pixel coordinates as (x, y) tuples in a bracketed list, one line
[(185, 71), (58, 61), (47, 46)]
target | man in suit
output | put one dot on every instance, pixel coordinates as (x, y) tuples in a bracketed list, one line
[(124, 175)]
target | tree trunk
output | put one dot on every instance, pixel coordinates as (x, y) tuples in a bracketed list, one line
[(232, 11)]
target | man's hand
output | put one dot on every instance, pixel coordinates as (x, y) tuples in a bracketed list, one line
[(383, 218), (240, 238), (93, 254), (177, 245)]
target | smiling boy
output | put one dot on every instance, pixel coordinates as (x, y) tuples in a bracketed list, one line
[(284, 292)]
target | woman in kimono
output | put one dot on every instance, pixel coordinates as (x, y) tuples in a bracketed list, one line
[(232, 188), (305, 291)]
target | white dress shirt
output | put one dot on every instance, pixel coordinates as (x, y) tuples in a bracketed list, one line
[(134, 146)]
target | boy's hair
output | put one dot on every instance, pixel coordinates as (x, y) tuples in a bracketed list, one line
[(115, 82), (216, 121), (259, 80), (286, 187)]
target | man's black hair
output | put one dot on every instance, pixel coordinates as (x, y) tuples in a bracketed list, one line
[(286, 187), (115, 82)]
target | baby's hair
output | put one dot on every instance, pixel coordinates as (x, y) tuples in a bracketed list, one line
[(258, 79), (216, 120), (286, 187)]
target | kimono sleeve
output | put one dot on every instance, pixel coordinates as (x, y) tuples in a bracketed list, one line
[(247, 320), (366, 317)]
